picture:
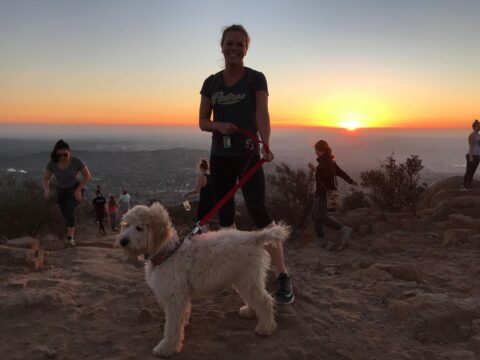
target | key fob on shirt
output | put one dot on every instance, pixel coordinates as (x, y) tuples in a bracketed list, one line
[(227, 142)]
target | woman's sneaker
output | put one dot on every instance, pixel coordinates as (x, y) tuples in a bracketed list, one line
[(284, 294), (70, 241)]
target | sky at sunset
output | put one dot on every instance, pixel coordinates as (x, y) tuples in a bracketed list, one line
[(337, 63)]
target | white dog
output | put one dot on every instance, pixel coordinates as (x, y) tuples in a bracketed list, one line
[(180, 270)]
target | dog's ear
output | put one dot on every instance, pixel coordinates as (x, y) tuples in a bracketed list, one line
[(159, 228)]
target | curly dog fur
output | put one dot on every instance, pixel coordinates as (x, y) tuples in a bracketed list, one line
[(203, 264)]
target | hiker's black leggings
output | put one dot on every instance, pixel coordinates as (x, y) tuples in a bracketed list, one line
[(320, 216), (470, 171), (224, 172), (67, 203)]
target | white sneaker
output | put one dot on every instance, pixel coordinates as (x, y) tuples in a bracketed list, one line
[(70, 241)]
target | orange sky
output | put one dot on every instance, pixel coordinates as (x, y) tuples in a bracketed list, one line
[(327, 64)]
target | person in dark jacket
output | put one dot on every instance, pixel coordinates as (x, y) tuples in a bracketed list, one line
[(99, 204), (325, 177)]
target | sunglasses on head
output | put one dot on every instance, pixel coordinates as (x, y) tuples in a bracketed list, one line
[(65, 155)]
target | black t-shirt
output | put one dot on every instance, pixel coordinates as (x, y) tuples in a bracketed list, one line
[(234, 104), (99, 203)]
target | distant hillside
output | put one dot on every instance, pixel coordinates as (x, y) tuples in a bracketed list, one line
[(147, 174)]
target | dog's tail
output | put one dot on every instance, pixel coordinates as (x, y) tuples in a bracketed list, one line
[(272, 235)]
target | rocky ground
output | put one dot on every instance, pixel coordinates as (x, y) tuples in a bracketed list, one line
[(405, 289)]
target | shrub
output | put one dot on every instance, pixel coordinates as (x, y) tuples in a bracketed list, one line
[(291, 194), (355, 199), (395, 186), (23, 210)]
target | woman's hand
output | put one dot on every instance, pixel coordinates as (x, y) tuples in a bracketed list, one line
[(46, 194), (311, 167), (225, 128), (470, 158), (267, 156), (78, 194)]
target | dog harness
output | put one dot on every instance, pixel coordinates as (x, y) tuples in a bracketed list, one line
[(165, 254)]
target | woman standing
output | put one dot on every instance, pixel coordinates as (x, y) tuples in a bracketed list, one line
[(204, 188), (326, 171), (473, 155), (124, 202), (238, 98), (65, 169), (113, 212)]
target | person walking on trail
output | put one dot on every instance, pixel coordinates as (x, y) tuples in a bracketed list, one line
[(99, 205), (473, 155), (113, 212), (325, 172), (65, 169), (238, 98), (124, 202), (204, 188)]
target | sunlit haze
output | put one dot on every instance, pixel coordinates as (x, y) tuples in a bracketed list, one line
[(349, 64)]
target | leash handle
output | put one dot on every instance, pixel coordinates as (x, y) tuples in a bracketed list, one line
[(256, 139)]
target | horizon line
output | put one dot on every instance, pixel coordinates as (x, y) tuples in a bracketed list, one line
[(279, 126)]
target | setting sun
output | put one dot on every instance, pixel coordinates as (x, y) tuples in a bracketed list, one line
[(350, 125)]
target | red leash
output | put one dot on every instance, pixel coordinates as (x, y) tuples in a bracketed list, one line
[(237, 186)]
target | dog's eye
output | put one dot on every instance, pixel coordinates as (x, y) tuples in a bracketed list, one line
[(139, 228)]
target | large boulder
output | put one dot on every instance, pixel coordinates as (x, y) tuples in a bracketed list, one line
[(444, 189), (466, 205)]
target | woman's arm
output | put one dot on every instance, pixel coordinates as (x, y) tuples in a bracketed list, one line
[(262, 119), (344, 175), (45, 183), (206, 124), (86, 178), (201, 182)]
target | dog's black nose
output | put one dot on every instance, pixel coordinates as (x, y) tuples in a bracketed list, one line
[(124, 242)]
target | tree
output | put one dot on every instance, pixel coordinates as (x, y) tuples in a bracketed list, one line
[(395, 186), (291, 194)]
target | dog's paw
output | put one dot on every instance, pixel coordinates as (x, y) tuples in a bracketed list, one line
[(164, 349), (265, 328), (246, 312)]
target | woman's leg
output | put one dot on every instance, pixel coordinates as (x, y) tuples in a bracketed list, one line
[(69, 208), (317, 221), (467, 179), (223, 177), (101, 217), (254, 196), (322, 214)]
